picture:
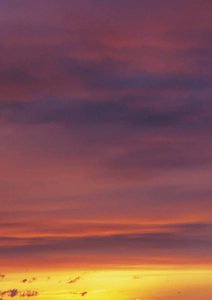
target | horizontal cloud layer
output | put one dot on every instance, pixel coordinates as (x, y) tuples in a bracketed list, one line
[(105, 113)]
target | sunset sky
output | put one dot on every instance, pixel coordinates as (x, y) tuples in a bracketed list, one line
[(106, 149)]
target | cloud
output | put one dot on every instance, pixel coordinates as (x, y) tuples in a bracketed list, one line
[(82, 294), (136, 137), (88, 57), (15, 292), (10, 293), (171, 243), (33, 279), (29, 281), (137, 277), (28, 294), (74, 280), (114, 97), (114, 113)]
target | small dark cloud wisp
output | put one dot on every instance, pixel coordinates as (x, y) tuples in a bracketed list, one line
[(74, 280)]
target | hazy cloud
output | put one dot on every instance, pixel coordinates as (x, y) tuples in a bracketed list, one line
[(82, 294)]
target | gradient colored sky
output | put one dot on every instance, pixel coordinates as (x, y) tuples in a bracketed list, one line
[(106, 149)]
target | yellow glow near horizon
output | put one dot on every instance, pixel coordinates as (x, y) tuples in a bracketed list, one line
[(114, 285)]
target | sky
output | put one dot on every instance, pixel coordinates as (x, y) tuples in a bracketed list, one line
[(105, 152)]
